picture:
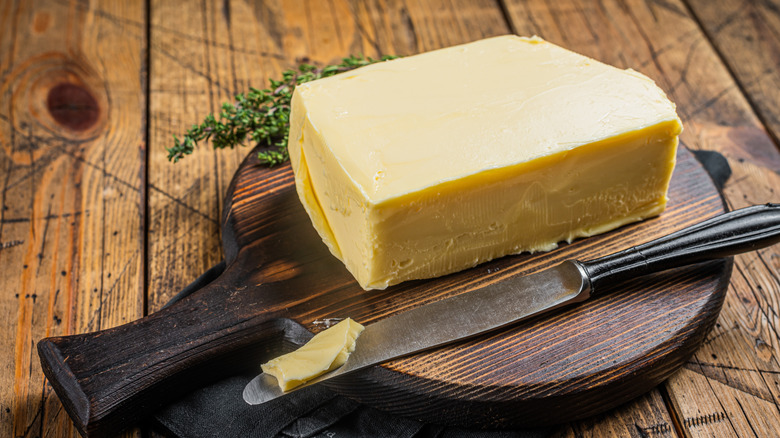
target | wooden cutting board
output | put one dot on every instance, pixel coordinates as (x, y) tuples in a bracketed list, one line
[(281, 284)]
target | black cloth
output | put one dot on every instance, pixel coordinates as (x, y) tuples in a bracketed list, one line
[(219, 410)]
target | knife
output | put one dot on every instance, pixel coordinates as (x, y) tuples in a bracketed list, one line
[(501, 304)]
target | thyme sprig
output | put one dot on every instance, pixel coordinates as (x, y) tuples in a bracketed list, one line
[(261, 115)]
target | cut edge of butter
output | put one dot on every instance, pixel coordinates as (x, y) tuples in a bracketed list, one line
[(325, 352), (313, 207)]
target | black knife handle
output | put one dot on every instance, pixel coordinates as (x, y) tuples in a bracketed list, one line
[(739, 231)]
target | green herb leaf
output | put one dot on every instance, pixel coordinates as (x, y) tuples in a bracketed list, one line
[(263, 116)]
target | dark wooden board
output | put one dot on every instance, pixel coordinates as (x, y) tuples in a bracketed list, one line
[(576, 363), (281, 281)]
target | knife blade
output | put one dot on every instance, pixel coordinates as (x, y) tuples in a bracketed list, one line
[(500, 304), (455, 318)]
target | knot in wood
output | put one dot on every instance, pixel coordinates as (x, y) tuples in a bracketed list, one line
[(72, 106)]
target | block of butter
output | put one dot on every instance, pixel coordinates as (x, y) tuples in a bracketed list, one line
[(326, 351), (430, 164)]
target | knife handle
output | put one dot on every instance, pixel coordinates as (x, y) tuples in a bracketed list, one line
[(111, 379), (739, 231)]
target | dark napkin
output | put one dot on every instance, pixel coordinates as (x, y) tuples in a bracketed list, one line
[(219, 410)]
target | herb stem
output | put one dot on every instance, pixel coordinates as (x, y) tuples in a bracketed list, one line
[(263, 116)]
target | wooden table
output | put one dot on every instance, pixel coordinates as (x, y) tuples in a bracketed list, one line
[(97, 228)]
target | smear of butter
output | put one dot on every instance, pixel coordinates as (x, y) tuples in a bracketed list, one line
[(325, 352)]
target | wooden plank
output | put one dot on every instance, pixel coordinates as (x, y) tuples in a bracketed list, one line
[(646, 416), (747, 37), (193, 69), (730, 386), (72, 132)]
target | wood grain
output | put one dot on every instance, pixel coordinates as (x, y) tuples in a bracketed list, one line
[(717, 59), (662, 40), (193, 69), (72, 127), (746, 35)]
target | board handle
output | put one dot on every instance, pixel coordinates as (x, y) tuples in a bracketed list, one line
[(732, 233), (112, 379)]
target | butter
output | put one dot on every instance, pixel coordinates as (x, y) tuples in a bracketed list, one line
[(326, 351), (430, 164)]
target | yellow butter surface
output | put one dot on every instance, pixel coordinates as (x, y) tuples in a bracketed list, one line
[(326, 351), (430, 164)]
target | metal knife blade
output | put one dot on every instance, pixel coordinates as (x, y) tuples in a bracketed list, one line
[(449, 320)]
